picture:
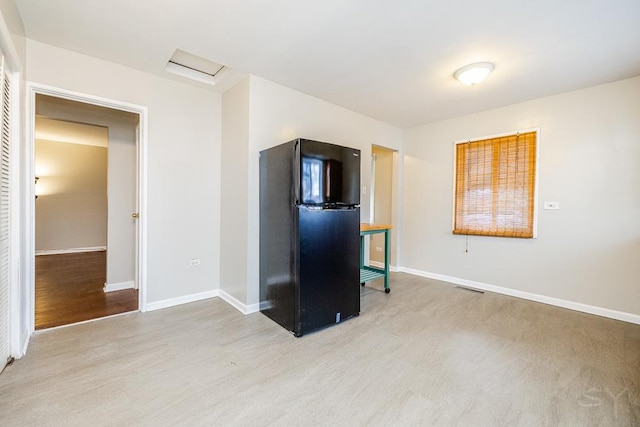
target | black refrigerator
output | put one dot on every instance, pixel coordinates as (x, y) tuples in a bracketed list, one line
[(309, 234)]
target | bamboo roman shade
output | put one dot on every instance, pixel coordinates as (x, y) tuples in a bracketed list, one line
[(495, 186)]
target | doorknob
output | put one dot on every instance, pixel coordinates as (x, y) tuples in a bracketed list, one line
[(135, 215)]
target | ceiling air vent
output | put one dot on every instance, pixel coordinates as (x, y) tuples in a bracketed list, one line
[(194, 67)]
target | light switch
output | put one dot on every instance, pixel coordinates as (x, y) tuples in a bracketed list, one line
[(552, 205)]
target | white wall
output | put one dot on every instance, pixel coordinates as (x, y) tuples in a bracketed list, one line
[(586, 252), (71, 208), (183, 163), (279, 114), (235, 170), (13, 41)]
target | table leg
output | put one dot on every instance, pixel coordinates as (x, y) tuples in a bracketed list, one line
[(387, 251), (361, 254)]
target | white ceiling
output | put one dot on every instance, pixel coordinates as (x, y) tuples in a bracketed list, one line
[(70, 132), (392, 61)]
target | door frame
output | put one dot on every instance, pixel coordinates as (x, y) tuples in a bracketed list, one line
[(34, 89)]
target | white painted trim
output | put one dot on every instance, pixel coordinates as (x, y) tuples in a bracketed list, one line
[(232, 301), (378, 264), (25, 344), (252, 308), (71, 250), (16, 340), (97, 319), (571, 305), (396, 221), (111, 287), (141, 241), (372, 188), (536, 192), (185, 299), (237, 304), (33, 88), (454, 185), (28, 174)]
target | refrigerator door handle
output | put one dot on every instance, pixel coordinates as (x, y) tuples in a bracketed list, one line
[(297, 196)]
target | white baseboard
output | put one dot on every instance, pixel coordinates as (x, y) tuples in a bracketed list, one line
[(378, 264), (110, 287), (26, 337), (571, 305), (237, 304), (151, 306), (234, 302), (71, 250)]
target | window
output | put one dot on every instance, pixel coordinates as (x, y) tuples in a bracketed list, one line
[(495, 186)]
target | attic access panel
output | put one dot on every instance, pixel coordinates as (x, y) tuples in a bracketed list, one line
[(195, 67)]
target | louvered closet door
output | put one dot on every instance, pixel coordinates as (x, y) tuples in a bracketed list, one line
[(4, 218)]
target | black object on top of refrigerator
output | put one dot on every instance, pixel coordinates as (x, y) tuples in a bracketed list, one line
[(309, 234)]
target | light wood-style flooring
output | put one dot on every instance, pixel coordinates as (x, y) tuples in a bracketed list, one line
[(425, 354), (69, 289)]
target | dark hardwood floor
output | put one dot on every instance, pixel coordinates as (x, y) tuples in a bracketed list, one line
[(69, 289)]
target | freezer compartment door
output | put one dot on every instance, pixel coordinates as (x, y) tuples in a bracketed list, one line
[(329, 174), (329, 266)]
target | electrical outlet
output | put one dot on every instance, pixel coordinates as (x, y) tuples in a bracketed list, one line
[(378, 249), (552, 205), (194, 261)]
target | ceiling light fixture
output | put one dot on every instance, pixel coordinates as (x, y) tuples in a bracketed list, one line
[(473, 74)]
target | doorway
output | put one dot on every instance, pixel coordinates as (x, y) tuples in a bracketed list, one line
[(86, 231), (382, 196)]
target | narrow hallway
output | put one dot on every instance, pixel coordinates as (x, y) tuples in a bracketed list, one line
[(69, 289)]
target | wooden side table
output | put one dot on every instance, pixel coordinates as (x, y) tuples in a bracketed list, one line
[(369, 273)]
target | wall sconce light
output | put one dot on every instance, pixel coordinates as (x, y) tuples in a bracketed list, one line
[(473, 74)]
